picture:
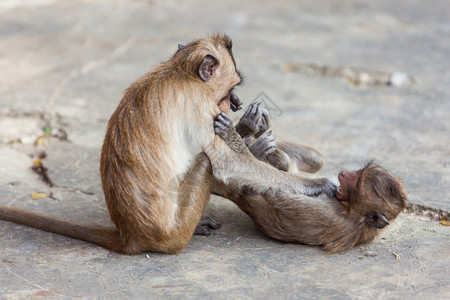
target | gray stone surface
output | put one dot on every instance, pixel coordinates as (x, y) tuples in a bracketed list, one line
[(321, 64)]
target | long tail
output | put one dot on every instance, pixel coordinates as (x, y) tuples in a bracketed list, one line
[(106, 238)]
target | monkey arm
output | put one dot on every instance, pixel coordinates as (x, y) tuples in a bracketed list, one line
[(292, 158), (279, 160), (240, 169), (288, 157)]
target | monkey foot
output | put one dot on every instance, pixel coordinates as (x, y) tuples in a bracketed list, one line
[(205, 225), (255, 121), (264, 146)]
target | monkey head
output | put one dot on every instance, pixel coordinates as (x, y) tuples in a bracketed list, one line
[(215, 66), (372, 192)]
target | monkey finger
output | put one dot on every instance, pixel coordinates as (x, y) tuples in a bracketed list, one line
[(269, 141), (271, 147), (269, 151), (265, 117), (259, 112), (235, 102), (254, 109), (202, 230), (221, 125), (211, 223), (248, 140), (329, 189), (220, 131), (267, 134), (247, 112), (224, 118)]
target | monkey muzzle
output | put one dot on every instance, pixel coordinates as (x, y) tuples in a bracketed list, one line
[(235, 102)]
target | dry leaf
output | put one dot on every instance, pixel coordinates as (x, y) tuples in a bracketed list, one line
[(287, 68), (39, 141), (37, 162), (397, 257), (35, 196), (445, 223), (353, 80)]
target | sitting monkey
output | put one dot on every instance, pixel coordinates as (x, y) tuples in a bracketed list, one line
[(366, 201)]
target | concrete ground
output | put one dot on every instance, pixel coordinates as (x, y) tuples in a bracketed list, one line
[(354, 79)]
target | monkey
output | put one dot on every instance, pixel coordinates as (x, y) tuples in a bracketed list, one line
[(366, 201), (155, 177)]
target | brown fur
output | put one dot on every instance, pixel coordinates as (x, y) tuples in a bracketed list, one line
[(286, 215), (156, 184)]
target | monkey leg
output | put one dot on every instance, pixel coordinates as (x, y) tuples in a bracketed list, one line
[(286, 157), (297, 157), (169, 225), (194, 194)]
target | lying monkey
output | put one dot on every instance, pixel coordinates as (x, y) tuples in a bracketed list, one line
[(366, 201)]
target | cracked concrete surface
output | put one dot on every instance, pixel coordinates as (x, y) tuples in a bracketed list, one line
[(65, 65)]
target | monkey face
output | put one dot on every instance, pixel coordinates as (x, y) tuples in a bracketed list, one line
[(218, 71), (373, 192), (349, 185), (222, 78), (212, 61)]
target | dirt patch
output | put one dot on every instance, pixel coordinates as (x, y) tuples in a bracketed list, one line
[(30, 127)]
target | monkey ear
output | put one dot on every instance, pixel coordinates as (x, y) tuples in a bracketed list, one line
[(208, 67), (377, 219)]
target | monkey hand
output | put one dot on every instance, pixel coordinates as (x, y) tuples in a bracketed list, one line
[(235, 102), (330, 190), (255, 121), (222, 123), (322, 186), (264, 146)]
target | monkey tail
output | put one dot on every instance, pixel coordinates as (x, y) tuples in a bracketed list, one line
[(107, 238)]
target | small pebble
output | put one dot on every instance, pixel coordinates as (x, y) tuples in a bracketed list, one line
[(398, 79)]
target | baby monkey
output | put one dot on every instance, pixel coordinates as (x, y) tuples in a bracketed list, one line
[(366, 201)]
